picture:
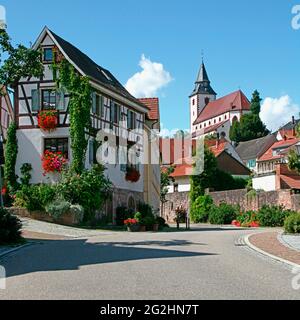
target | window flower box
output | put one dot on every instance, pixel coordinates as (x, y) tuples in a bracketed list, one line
[(48, 120), (53, 162), (132, 174)]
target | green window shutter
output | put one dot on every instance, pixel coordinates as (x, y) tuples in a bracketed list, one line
[(94, 102), (129, 119), (112, 112), (60, 100), (101, 106), (91, 151), (35, 100)]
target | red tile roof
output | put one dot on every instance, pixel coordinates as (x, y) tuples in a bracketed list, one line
[(232, 102), (153, 106), (282, 146), (291, 181), (182, 170), (217, 148)]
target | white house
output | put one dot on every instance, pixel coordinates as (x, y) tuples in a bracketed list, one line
[(113, 108)]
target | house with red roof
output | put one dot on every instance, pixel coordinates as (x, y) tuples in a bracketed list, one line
[(272, 171), (179, 154), (209, 115)]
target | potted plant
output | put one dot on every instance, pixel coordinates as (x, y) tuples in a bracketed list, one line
[(132, 225), (47, 120), (132, 174)]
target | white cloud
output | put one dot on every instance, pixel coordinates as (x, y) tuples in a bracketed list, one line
[(276, 112), (147, 82)]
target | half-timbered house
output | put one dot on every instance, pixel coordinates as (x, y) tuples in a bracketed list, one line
[(113, 108)]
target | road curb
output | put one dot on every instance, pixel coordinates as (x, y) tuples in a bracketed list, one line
[(5, 253), (253, 247)]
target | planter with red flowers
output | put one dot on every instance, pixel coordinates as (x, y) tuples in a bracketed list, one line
[(132, 225), (53, 162), (132, 174), (47, 120)]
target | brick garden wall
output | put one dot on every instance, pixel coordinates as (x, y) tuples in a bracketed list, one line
[(281, 197)]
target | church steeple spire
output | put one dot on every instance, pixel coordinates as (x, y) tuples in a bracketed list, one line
[(202, 84)]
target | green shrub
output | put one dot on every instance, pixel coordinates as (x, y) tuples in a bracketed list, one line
[(77, 210), (247, 217), (272, 216), (90, 189), (57, 208), (200, 209), (292, 223), (138, 216), (161, 221), (10, 228), (26, 169), (148, 221), (223, 214), (34, 197), (121, 215), (47, 194), (145, 209)]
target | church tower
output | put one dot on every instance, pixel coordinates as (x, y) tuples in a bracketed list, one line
[(203, 93)]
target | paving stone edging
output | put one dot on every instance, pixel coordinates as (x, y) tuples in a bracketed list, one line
[(286, 243), (253, 247)]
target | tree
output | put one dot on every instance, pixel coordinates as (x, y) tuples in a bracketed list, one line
[(20, 62), (294, 160), (165, 181), (206, 179), (255, 103), (11, 152), (250, 125), (214, 178)]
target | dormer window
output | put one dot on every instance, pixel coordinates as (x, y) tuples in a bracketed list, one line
[(47, 55)]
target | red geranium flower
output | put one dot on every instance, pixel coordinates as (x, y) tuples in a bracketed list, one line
[(53, 162), (47, 120)]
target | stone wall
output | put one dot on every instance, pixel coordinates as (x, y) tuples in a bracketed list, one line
[(287, 198), (69, 219), (174, 200)]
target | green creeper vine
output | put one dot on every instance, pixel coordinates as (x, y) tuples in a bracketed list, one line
[(11, 152), (80, 103)]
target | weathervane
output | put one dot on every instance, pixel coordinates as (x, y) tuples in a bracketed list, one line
[(202, 55)]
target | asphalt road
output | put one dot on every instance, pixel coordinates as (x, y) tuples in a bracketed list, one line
[(204, 264)]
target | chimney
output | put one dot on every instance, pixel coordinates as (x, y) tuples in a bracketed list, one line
[(218, 140), (294, 127)]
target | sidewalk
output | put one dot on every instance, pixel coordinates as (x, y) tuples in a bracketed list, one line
[(32, 228), (269, 242)]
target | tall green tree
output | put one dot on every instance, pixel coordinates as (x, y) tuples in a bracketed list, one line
[(255, 103), (17, 62), (250, 125), (206, 179)]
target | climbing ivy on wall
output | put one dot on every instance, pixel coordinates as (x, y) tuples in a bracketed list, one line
[(80, 91), (11, 152)]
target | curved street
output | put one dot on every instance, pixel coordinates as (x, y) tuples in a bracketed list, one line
[(206, 263)]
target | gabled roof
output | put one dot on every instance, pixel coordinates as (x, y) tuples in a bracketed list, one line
[(281, 148), (253, 149), (202, 84), (217, 147), (236, 101), (153, 105), (87, 66)]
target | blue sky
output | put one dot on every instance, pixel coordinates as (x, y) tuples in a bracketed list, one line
[(248, 44)]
